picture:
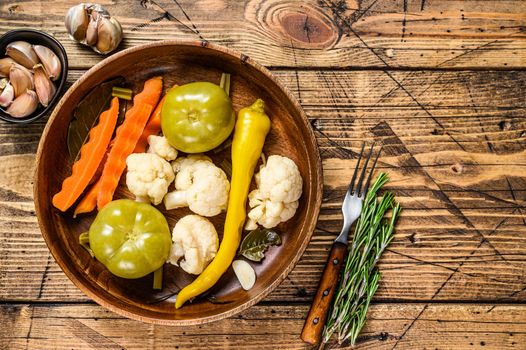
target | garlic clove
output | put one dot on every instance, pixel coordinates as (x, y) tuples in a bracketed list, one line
[(21, 79), (91, 33), (244, 273), (5, 66), (77, 22), (22, 52), (44, 87), (7, 96), (49, 60), (109, 33), (98, 10), (23, 105)]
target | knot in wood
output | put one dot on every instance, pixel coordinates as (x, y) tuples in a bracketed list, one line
[(307, 28)]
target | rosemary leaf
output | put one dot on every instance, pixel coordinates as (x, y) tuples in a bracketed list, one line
[(360, 278)]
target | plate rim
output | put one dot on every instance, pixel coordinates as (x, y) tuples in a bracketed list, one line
[(315, 169)]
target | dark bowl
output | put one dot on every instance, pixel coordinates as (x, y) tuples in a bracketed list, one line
[(36, 37)]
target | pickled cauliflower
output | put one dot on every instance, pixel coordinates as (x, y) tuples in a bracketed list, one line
[(275, 199), (195, 244), (160, 146), (199, 185), (148, 176)]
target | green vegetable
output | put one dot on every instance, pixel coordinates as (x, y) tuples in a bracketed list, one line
[(256, 242), (360, 277), (120, 92), (225, 83), (197, 117), (158, 278), (131, 239), (86, 115), (84, 242)]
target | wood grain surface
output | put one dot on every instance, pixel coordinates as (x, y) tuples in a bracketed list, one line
[(441, 83), (307, 33), (265, 326)]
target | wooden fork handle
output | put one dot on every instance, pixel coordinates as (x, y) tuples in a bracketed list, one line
[(315, 321)]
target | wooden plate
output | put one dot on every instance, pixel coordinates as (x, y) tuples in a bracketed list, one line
[(179, 62)]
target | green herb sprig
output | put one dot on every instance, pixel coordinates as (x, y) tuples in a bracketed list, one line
[(360, 278)]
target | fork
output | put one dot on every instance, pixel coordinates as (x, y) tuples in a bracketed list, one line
[(351, 208)]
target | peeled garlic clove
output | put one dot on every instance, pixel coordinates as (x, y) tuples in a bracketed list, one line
[(109, 35), (44, 87), (21, 79), (5, 66), (49, 60), (22, 52), (77, 22), (23, 105), (244, 273), (7, 95), (91, 33)]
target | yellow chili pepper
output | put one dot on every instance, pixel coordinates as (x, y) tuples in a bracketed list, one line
[(252, 126)]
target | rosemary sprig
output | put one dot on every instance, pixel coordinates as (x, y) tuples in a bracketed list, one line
[(360, 278)]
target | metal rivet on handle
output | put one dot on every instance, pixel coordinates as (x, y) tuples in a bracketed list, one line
[(335, 261), (315, 321), (326, 292)]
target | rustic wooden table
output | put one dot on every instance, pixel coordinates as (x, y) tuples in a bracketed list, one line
[(440, 82)]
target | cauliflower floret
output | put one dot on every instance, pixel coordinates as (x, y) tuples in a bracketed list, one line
[(268, 213), (195, 244), (148, 176), (276, 198), (199, 185), (188, 162), (160, 146), (280, 180)]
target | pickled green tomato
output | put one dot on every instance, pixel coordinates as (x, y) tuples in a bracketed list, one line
[(131, 239), (197, 117)]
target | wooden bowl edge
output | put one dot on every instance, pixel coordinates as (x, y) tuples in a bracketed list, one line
[(313, 206)]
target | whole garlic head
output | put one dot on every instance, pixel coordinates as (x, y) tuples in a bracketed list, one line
[(91, 25)]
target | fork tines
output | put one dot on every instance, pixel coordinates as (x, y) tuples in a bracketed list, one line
[(358, 190)]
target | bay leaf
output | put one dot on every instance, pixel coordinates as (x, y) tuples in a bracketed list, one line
[(256, 242), (87, 114)]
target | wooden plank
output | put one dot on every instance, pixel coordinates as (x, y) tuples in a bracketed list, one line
[(419, 256), (299, 33), (462, 185), (408, 326)]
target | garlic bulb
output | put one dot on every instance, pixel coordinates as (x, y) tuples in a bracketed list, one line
[(91, 25)]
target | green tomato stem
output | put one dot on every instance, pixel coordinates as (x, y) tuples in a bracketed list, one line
[(158, 278)]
